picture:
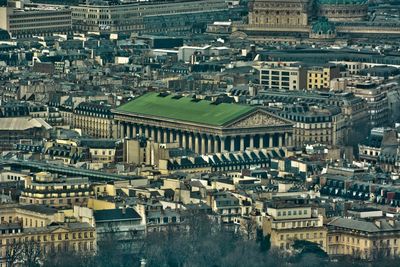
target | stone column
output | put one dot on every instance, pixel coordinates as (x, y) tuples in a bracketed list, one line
[(121, 130), (251, 141), (134, 132), (232, 143), (171, 136), (152, 133), (158, 135), (184, 143), (290, 140), (196, 143), (280, 140), (209, 145), (129, 130), (216, 145), (222, 138), (165, 136), (140, 130), (271, 140), (146, 131), (261, 143), (203, 144), (242, 143), (190, 145)]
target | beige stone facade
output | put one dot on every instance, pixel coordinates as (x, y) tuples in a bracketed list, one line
[(277, 13), (288, 222), (364, 239)]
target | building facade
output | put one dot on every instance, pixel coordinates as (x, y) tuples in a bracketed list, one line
[(201, 125), (146, 17), (94, 119), (45, 189), (35, 19), (276, 13), (279, 77), (362, 238), (76, 237), (320, 77), (354, 109), (315, 124), (293, 219), (343, 10)]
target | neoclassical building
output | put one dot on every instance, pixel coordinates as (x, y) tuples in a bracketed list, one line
[(343, 10), (278, 13), (201, 125), (298, 13)]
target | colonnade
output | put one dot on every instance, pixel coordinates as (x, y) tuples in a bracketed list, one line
[(204, 143)]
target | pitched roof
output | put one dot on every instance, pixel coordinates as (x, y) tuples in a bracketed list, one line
[(39, 209), (185, 109), (22, 123), (366, 226)]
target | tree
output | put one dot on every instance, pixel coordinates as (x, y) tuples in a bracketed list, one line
[(248, 227), (31, 253), (308, 253), (14, 252)]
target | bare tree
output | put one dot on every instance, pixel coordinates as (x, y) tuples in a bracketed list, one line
[(248, 228), (14, 253), (31, 253)]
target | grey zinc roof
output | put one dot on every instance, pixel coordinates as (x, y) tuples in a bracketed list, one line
[(39, 209), (366, 226), (113, 215)]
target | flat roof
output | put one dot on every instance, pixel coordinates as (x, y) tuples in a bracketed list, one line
[(185, 109)]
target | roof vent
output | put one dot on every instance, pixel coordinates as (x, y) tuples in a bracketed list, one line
[(163, 94)]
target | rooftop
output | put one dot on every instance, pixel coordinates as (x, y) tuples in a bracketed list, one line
[(185, 109), (116, 215)]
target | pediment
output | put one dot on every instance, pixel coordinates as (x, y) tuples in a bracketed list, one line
[(257, 119)]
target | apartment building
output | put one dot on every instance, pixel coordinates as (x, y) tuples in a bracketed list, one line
[(146, 17), (367, 235), (44, 240), (289, 219), (46, 189), (320, 77), (94, 119), (373, 90), (315, 123), (25, 20), (282, 77)]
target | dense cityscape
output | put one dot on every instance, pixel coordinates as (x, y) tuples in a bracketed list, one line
[(190, 133)]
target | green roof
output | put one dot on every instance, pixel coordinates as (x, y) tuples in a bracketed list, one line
[(343, 2), (185, 109)]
